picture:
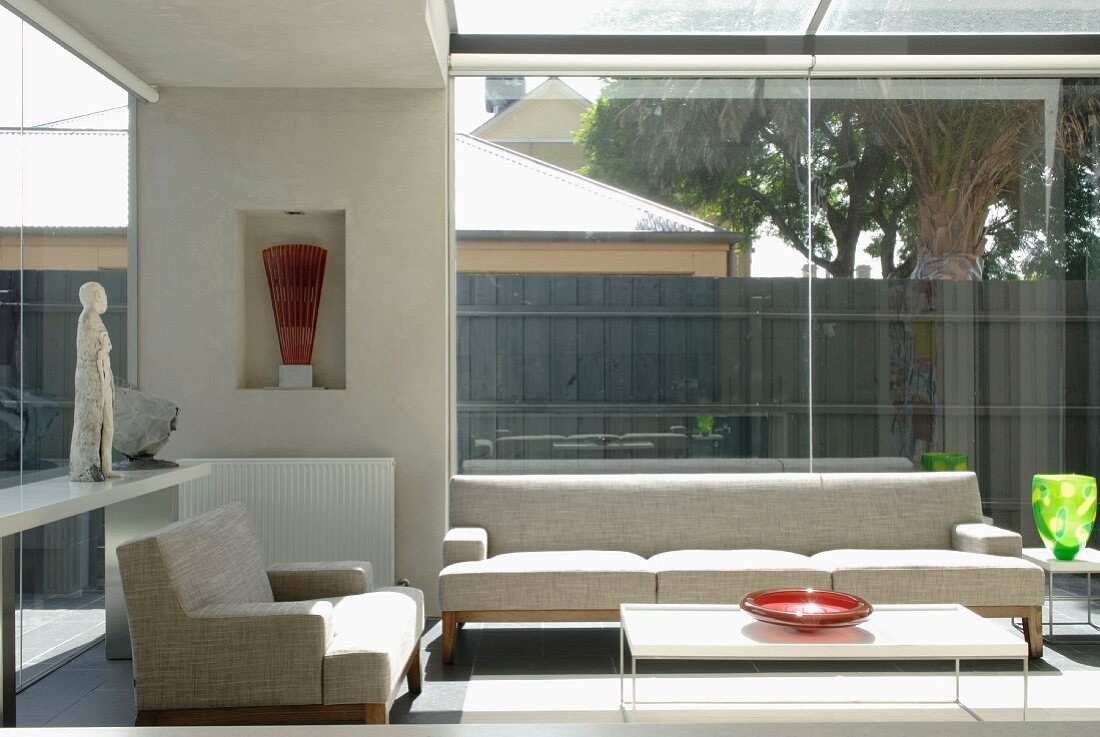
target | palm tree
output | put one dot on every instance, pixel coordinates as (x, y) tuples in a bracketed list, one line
[(962, 155)]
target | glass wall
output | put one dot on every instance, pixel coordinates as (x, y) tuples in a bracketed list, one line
[(778, 275), (64, 146), (615, 305)]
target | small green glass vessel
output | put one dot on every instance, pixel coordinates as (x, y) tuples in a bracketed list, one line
[(945, 461), (1065, 511)]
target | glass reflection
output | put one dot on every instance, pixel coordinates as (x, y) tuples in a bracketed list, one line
[(65, 149)]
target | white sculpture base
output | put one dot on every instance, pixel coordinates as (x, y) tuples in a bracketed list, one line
[(295, 377)]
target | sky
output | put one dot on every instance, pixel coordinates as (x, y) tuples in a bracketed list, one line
[(60, 180), (40, 82)]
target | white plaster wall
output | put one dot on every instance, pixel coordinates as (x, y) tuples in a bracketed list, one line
[(378, 155)]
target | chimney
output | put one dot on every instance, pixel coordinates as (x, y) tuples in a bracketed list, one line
[(500, 92)]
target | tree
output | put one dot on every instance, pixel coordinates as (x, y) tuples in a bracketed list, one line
[(963, 156), (931, 180), (1074, 253), (741, 163)]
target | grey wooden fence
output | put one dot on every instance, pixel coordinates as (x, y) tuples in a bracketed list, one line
[(998, 370)]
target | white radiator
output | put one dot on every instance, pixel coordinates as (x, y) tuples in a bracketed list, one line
[(307, 509)]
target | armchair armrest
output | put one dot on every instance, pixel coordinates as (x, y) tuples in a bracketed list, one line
[(301, 581), (462, 544), (241, 654), (979, 537)]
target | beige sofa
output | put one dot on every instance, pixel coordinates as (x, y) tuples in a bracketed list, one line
[(220, 638), (573, 548)]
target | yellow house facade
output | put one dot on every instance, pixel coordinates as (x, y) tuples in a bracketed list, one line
[(541, 124)]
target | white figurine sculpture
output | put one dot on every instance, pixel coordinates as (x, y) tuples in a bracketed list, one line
[(94, 417)]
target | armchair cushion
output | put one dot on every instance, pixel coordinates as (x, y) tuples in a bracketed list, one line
[(982, 538), (462, 544), (298, 581), (415, 594), (375, 635), (215, 558)]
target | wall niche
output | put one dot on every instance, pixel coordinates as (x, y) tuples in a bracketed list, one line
[(258, 355)]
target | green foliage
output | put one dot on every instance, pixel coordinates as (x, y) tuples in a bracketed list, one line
[(1076, 254), (740, 162)]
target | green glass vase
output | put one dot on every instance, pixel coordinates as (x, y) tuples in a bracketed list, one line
[(945, 461), (1065, 511)]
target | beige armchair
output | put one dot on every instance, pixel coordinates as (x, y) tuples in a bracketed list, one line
[(218, 638)]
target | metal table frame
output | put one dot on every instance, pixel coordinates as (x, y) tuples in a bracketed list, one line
[(631, 714), (1049, 624)]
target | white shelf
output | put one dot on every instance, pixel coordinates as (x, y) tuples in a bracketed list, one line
[(26, 506)]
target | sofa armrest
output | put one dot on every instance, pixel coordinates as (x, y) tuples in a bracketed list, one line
[(301, 581), (462, 544), (979, 537)]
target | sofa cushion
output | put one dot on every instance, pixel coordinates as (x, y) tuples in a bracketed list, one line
[(934, 577), (374, 636), (567, 579), (724, 576)]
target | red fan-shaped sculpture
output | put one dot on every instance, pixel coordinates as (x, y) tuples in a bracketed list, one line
[(295, 272)]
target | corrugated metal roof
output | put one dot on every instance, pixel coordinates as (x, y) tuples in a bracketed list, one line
[(112, 119), (499, 189)]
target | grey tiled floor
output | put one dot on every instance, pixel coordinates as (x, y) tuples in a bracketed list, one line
[(49, 628), (93, 691)]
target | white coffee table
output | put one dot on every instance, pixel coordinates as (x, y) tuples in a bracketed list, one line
[(724, 632), (1086, 563)]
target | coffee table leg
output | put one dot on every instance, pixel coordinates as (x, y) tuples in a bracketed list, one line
[(622, 670), (957, 700), (1088, 596), (633, 685), (1024, 717), (1050, 602)]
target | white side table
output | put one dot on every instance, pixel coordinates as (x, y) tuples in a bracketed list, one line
[(1086, 563)]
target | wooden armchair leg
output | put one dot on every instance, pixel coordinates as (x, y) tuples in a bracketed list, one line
[(377, 714), (413, 674), (146, 718), (450, 632)]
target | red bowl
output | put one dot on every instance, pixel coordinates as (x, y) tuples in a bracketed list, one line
[(806, 609)]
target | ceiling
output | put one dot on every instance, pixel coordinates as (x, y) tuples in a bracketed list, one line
[(269, 43), (810, 17)]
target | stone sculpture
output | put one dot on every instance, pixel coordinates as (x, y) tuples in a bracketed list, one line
[(94, 415), (143, 424)]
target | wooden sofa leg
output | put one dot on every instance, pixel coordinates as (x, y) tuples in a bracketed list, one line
[(450, 632), (1033, 631), (413, 673), (377, 714)]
